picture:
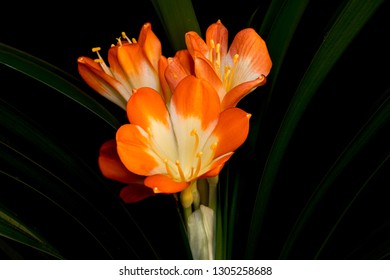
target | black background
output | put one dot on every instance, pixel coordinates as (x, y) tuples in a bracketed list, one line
[(61, 32)]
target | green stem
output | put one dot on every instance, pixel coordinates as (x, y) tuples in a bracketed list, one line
[(213, 184), (187, 211), (213, 194)]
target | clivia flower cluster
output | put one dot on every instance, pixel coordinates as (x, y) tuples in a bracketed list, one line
[(183, 121)]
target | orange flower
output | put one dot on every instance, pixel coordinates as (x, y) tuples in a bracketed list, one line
[(132, 64), (233, 72), (175, 144)]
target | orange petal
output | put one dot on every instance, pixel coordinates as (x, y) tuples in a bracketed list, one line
[(185, 60), (101, 82), (135, 193), (195, 43), (164, 184), (133, 150), (175, 72), (195, 97), (217, 166), (166, 91), (219, 34), (231, 130), (112, 167), (150, 44), (145, 107), (204, 70), (116, 67), (138, 69), (180, 66), (237, 93), (253, 53)]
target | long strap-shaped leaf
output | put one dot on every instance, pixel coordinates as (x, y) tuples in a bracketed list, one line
[(380, 166), (55, 78), (278, 29), (350, 20), (177, 17), (12, 228), (282, 30), (18, 127), (380, 117)]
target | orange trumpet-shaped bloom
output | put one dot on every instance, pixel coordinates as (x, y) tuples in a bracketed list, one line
[(188, 138), (132, 64), (235, 71)]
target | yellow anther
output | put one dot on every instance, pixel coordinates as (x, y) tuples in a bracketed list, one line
[(100, 60), (218, 54), (194, 132), (212, 44), (119, 41), (215, 56), (211, 52), (235, 58), (124, 36), (134, 40)]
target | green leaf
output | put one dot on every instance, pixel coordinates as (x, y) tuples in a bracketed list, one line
[(379, 118), (12, 228), (54, 78), (340, 218), (343, 30), (278, 29), (177, 17), (280, 23), (42, 166)]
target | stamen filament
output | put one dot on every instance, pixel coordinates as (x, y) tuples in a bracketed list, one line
[(213, 147), (199, 165), (169, 171), (182, 177), (119, 41), (226, 77), (194, 132), (235, 60), (100, 60), (124, 36)]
